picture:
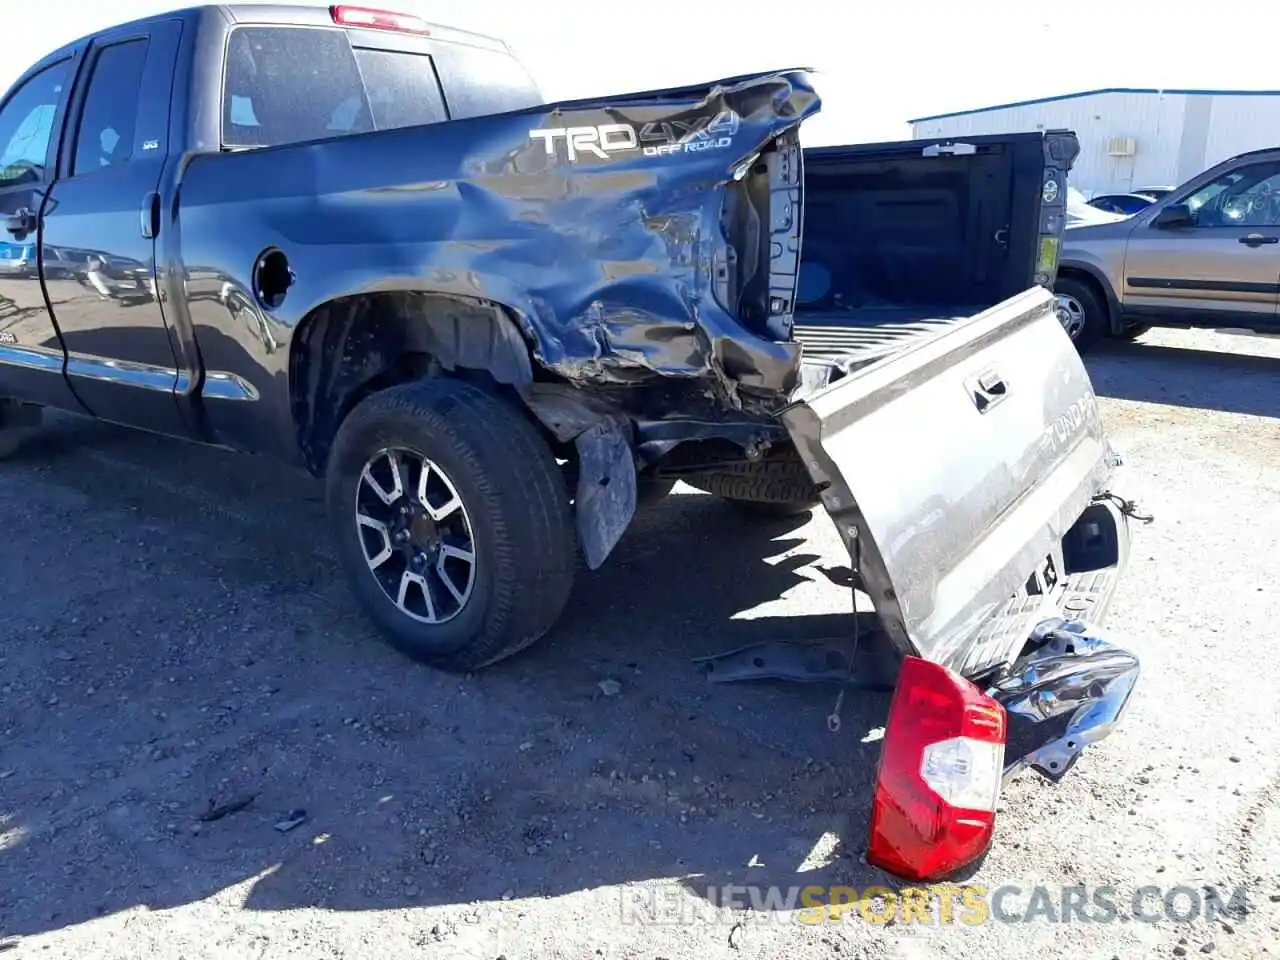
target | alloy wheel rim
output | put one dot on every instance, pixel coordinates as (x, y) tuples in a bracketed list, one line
[(415, 535), (1070, 315)]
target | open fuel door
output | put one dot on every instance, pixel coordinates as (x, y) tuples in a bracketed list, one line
[(953, 469)]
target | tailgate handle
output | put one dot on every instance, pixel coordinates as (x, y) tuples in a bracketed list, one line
[(987, 389)]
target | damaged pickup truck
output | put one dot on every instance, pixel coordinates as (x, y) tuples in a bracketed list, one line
[(496, 326)]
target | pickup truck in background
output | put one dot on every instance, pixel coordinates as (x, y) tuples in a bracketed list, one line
[(363, 243)]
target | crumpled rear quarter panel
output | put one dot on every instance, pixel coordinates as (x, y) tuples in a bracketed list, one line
[(606, 261)]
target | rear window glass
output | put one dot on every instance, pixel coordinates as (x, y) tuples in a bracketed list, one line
[(478, 82), (401, 87), (290, 84)]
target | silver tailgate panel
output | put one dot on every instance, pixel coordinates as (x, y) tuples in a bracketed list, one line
[(953, 468)]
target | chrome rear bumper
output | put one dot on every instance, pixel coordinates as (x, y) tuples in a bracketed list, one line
[(1064, 695)]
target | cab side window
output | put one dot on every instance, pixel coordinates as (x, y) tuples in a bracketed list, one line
[(1248, 196), (26, 125), (109, 117)]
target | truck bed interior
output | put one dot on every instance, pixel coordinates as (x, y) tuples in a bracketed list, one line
[(903, 238)]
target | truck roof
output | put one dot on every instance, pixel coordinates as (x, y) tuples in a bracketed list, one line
[(260, 13)]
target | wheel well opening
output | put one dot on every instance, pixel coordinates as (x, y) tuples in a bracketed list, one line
[(1087, 279), (353, 347), (1095, 286)]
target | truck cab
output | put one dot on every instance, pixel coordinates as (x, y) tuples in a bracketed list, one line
[(96, 137)]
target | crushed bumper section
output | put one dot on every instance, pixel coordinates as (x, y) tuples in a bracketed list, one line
[(1067, 693), (950, 746)]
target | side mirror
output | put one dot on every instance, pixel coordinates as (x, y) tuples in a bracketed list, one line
[(1174, 215)]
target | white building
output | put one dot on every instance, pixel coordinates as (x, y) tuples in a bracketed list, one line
[(1132, 138)]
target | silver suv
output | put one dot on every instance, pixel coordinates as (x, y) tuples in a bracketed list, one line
[(1207, 254)]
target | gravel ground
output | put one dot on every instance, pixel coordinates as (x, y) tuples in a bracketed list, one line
[(176, 634)]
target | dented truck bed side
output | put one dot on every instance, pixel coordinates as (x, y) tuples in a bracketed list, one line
[(612, 244)]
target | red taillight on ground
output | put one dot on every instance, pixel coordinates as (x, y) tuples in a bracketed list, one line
[(378, 19), (941, 765)]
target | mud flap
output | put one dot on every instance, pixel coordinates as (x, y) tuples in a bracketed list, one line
[(953, 469), (605, 500)]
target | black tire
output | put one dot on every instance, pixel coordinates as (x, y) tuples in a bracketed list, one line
[(514, 500), (1093, 322), (775, 487)]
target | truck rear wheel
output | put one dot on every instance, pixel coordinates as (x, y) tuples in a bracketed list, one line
[(774, 487), (453, 522)]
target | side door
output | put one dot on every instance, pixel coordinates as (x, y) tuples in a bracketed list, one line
[(1224, 267), (103, 213), (31, 354)]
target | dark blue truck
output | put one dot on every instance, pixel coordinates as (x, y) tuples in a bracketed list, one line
[(496, 326)]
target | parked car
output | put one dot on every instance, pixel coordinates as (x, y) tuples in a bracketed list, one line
[(1080, 212), (1207, 254), (493, 325), (1123, 203), (19, 260)]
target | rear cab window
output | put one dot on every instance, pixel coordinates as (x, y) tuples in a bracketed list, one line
[(288, 84), (479, 82), (109, 117)]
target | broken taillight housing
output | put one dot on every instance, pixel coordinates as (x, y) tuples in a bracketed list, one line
[(378, 19), (941, 766)]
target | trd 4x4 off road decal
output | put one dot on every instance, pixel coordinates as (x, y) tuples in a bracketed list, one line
[(656, 139)]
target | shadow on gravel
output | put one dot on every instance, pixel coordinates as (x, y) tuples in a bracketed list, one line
[(185, 717), (1204, 379)]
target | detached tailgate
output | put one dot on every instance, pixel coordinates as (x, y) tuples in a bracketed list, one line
[(954, 468)]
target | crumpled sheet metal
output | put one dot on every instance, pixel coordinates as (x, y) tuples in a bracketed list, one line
[(620, 272), (1068, 694), (595, 223)]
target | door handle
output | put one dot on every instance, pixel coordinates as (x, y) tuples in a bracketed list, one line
[(149, 216), (20, 222), (1257, 240)]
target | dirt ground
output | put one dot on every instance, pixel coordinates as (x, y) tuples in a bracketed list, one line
[(175, 635)]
